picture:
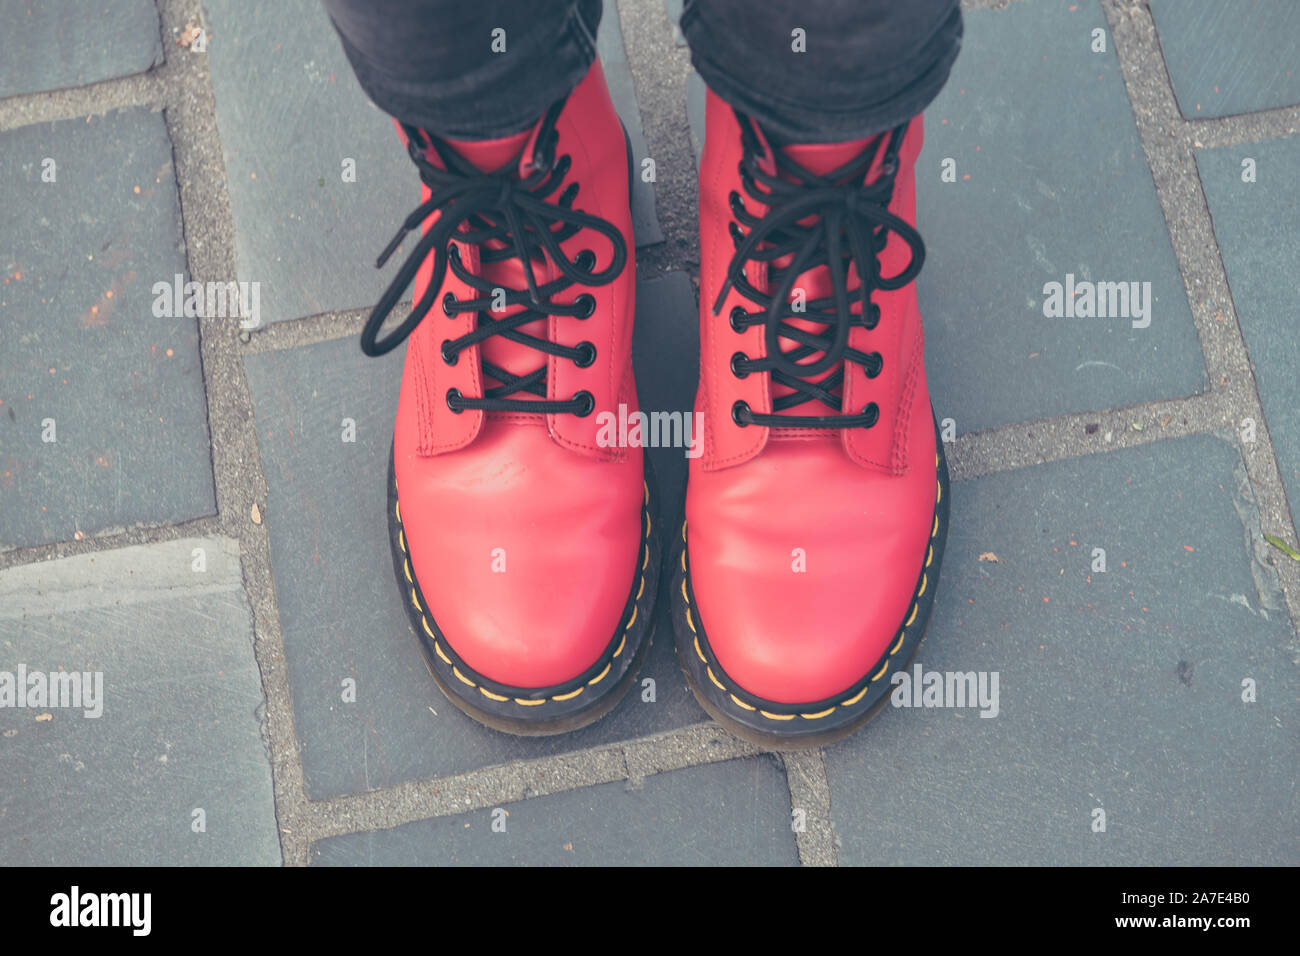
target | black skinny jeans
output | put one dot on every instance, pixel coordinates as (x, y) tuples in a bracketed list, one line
[(809, 71)]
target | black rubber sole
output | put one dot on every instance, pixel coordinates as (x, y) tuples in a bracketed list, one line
[(537, 711), (777, 726)]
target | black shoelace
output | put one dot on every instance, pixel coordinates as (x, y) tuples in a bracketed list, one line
[(479, 208), (844, 209)]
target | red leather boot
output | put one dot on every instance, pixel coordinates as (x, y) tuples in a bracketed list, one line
[(817, 513), (523, 547)]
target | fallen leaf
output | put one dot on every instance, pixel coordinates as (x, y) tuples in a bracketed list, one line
[(257, 514), (41, 718), (989, 556), (1283, 547)]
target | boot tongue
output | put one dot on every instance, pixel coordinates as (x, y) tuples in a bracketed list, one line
[(489, 156), (821, 159)]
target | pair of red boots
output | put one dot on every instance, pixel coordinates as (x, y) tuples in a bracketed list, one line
[(528, 550)]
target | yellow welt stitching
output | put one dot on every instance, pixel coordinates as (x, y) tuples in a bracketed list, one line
[(487, 693), (601, 676), (854, 699), (938, 491), (407, 570), (415, 600), (911, 617), (935, 530), (424, 622), (690, 621), (683, 559), (929, 557), (717, 683), (699, 653), (397, 509), (924, 581), (401, 539), (684, 597), (816, 716), (777, 716), (742, 703), (640, 590), (620, 646), (683, 530), (897, 644), (633, 618), (529, 703), (462, 677), (876, 676), (437, 649), (570, 695)]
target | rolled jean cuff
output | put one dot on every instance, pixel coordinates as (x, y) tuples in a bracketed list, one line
[(825, 95), (464, 95)]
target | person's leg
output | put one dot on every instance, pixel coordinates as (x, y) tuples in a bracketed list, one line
[(467, 70), (520, 536), (816, 517), (822, 71)]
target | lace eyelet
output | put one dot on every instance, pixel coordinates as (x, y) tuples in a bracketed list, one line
[(588, 355), (734, 231), (873, 410), (448, 305), (586, 303), (453, 400), (736, 203), (879, 367), (585, 260), (873, 316), (450, 359), (738, 409), (738, 315), (588, 403), (736, 359)]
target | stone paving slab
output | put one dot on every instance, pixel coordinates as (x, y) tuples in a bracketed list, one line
[(1058, 186), (1119, 690), (1229, 58), (56, 44), (1255, 224), (340, 608), (179, 705), (103, 419), (307, 236), (735, 813), (1050, 181)]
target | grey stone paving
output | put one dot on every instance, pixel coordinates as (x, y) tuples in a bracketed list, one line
[(1058, 186), (735, 813), (1254, 223), (167, 764), (55, 44), (1119, 690), (224, 688), (103, 422), (1227, 58)]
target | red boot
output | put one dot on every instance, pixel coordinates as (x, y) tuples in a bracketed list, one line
[(523, 548), (816, 516)]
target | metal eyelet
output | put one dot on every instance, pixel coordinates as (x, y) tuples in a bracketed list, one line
[(873, 410), (737, 410), (734, 231), (736, 359), (586, 303), (453, 400), (588, 355), (873, 316), (880, 365), (452, 358), (585, 260), (588, 403), (736, 203), (738, 315), (448, 304)]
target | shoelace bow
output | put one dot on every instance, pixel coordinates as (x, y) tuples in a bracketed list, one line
[(844, 208), (506, 217)]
